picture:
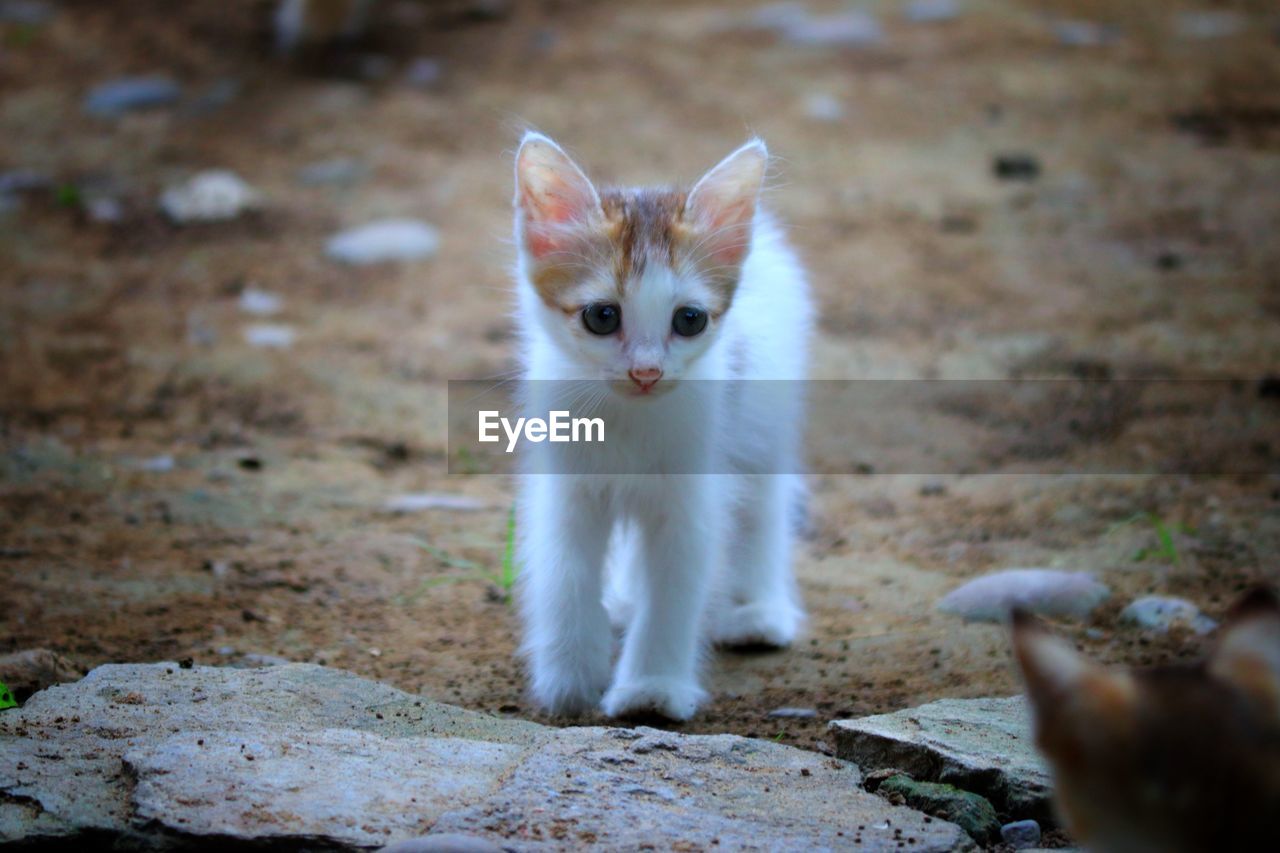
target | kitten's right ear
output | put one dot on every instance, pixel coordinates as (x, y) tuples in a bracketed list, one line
[(1058, 676), (553, 196), (1248, 653)]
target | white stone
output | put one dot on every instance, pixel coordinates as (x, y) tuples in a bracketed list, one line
[(1048, 592), (385, 240), (303, 755), (155, 464), (1160, 613), (217, 195), (260, 303), (422, 501), (269, 336)]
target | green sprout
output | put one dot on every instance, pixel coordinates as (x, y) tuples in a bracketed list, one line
[(1166, 549), (6, 697), (508, 578), (68, 195), (469, 570)]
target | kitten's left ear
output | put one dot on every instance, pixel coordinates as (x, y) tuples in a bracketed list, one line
[(1248, 653), (722, 204)]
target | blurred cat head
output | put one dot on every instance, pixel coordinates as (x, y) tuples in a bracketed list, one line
[(633, 284), (1177, 758)]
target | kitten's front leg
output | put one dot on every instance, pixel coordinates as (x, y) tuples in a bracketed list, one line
[(679, 540), (567, 639), (760, 605)]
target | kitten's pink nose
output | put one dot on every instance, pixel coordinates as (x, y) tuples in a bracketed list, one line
[(645, 377)]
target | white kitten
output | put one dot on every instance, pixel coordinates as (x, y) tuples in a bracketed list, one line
[(624, 296)]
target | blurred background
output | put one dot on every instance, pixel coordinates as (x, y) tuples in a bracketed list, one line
[(243, 246)]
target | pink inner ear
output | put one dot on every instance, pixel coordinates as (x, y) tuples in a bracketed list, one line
[(555, 198), (723, 204), (546, 220)]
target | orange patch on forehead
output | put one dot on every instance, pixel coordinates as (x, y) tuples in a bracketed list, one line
[(647, 226)]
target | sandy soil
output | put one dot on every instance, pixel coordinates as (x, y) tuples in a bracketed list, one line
[(1145, 247)]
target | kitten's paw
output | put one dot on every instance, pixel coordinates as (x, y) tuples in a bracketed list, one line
[(757, 624), (673, 698), (568, 691)]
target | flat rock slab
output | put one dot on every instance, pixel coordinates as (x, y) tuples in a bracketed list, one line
[(981, 745), (302, 756)]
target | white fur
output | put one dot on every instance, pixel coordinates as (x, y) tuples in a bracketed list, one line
[(692, 557)]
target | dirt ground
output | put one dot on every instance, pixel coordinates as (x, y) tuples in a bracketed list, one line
[(1146, 246)]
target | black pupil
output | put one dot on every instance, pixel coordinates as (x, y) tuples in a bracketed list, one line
[(601, 318), (689, 321)]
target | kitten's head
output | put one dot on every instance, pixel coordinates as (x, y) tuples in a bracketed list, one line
[(1166, 759), (632, 284)]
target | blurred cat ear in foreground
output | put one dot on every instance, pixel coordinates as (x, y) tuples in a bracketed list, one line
[(553, 195), (1247, 654), (722, 204), (1057, 675)]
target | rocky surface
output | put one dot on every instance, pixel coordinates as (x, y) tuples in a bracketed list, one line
[(304, 756), (980, 745), (972, 813)]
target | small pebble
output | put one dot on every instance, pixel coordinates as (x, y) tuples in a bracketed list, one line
[(269, 336), (30, 13), (423, 72), (422, 501), (793, 713), (931, 11), (385, 240), (216, 195), (1160, 613), (23, 181), (117, 97), (155, 465), (1202, 26), (1083, 33), (1021, 834), (260, 303), (104, 210)]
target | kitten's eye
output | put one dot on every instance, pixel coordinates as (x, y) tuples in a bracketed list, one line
[(602, 318), (688, 321)]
